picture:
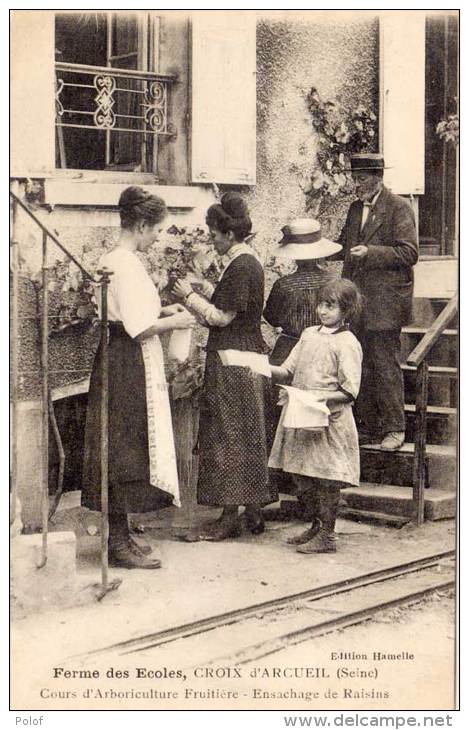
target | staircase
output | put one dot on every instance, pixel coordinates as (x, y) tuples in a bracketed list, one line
[(418, 482)]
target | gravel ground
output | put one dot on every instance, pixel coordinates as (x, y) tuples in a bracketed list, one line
[(201, 579)]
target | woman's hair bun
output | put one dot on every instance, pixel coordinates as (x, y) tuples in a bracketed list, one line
[(234, 205), (230, 214), (136, 204), (133, 195)]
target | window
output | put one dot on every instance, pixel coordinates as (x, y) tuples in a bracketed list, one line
[(157, 98), (437, 207), (419, 86), (111, 104)]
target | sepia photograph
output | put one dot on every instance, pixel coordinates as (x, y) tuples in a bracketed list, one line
[(234, 351)]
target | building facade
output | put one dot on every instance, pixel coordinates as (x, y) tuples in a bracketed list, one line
[(188, 104)]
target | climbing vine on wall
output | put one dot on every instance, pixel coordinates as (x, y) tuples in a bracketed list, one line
[(448, 129), (340, 134)]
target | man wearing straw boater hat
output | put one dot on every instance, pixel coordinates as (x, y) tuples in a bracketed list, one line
[(380, 248)]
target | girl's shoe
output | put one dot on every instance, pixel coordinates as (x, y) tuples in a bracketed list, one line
[(323, 542), (305, 536)]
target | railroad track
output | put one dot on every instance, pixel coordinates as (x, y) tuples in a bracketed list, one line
[(307, 600)]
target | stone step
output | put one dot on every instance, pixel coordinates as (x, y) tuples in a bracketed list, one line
[(442, 424), (395, 467), (376, 518), (397, 501)]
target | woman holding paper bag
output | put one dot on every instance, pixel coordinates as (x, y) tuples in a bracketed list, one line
[(235, 405), (322, 459), (142, 461)]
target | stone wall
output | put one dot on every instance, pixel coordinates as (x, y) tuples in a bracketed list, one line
[(336, 53)]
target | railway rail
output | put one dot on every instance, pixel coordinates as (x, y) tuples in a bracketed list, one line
[(308, 599)]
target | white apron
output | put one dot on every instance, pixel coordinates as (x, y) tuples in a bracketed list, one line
[(323, 361), (133, 300)]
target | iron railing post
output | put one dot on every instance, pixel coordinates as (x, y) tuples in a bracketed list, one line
[(105, 274), (104, 429), (14, 352), (45, 401), (104, 420), (420, 439)]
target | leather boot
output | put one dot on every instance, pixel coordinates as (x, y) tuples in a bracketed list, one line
[(306, 535), (138, 540), (123, 551), (144, 547), (324, 540), (309, 502), (227, 526), (129, 556), (254, 519)]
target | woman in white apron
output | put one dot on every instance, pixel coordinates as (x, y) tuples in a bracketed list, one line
[(142, 460)]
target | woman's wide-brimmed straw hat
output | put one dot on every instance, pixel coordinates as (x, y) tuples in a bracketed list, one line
[(302, 240)]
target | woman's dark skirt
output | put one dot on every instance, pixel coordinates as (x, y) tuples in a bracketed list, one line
[(282, 348), (235, 418), (129, 486)]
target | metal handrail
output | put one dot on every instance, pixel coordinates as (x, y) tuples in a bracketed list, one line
[(51, 235), (104, 274), (418, 358)]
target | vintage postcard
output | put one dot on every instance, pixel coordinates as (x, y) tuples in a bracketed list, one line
[(277, 193)]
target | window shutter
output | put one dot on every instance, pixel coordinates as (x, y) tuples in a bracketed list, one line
[(32, 92), (224, 98), (402, 50)]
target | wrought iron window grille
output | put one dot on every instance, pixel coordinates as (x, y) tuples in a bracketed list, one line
[(152, 88), (110, 100)]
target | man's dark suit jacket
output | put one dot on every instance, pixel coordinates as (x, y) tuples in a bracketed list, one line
[(384, 276)]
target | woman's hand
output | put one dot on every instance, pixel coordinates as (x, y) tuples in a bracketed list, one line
[(172, 309), (182, 288), (207, 289), (182, 321)]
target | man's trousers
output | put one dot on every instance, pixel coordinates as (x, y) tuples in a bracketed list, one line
[(379, 408)]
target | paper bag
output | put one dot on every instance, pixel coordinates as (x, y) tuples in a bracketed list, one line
[(179, 346), (303, 410)]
